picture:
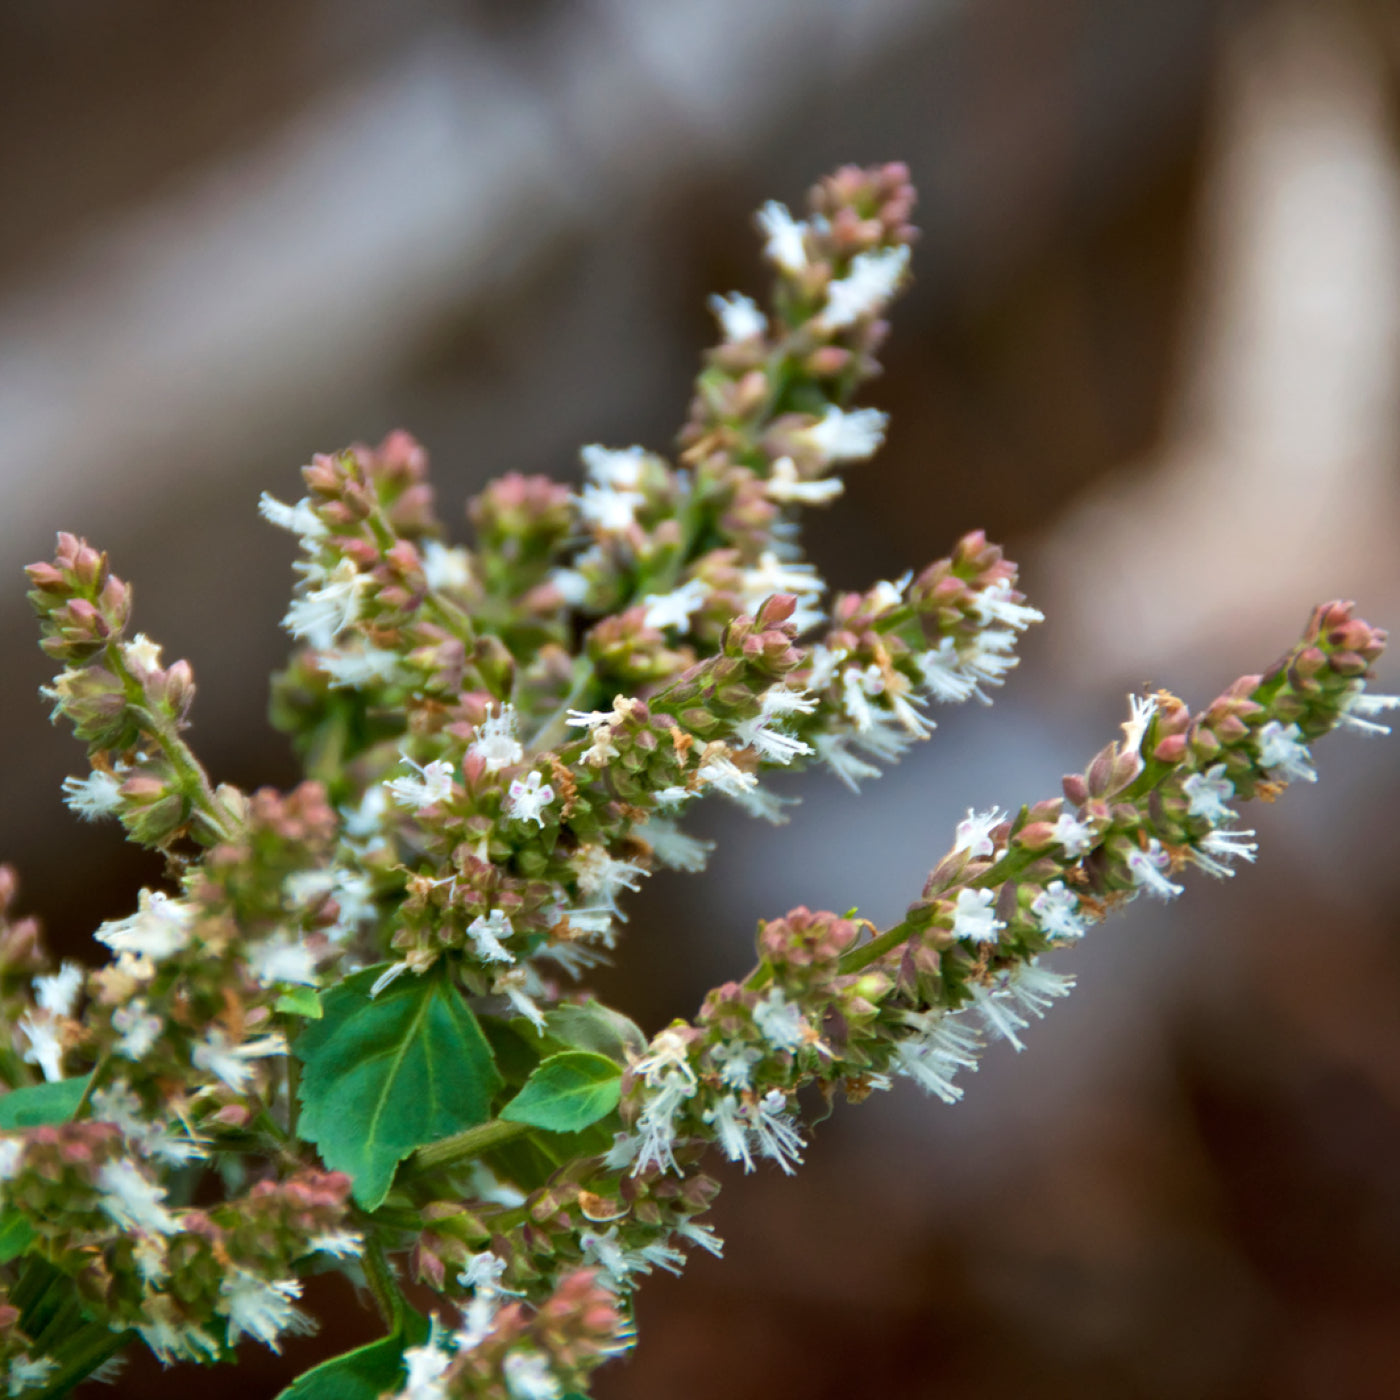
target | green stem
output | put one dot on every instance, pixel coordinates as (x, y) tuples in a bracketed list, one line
[(93, 1079), (382, 1284), (81, 1354), (881, 944), (556, 727), (462, 1147)]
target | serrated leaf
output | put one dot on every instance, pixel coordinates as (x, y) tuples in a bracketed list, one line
[(567, 1092), (363, 1374), (38, 1104), (16, 1235), (301, 1001), (385, 1075)]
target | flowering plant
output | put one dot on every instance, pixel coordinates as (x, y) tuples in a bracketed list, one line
[(346, 1034)]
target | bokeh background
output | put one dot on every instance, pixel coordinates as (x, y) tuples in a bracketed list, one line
[(1154, 345)]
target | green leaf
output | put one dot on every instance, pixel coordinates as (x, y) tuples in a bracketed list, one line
[(301, 1001), (16, 1235), (593, 1026), (387, 1074), (567, 1092), (38, 1104), (365, 1373)]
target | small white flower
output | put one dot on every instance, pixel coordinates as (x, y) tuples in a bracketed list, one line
[(667, 1073), (1217, 849), (786, 237), (864, 290), (1077, 837), (446, 566), (989, 658), (701, 1235), (11, 1155), (974, 916), (618, 468), (721, 773), (137, 1027), (133, 1202), (787, 487), (320, 615), (995, 604), (604, 877), (611, 512), (159, 928), (358, 667), (739, 317), (1135, 726), (260, 1309), (301, 519), (1207, 794), (1359, 710), (573, 587), (339, 1244), (496, 743), (939, 1048), (433, 785), (426, 1367), (834, 750), (97, 795), (779, 1021), (282, 959), (483, 1272), (528, 797), (998, 1018), (771, 744), (1283, 753), (58, 992), (1057, 911), (28, 1373), (772, 575), (974, 833), (364, 820), (674, 609), (672, 847), (735, 1061), (231, 1063), (486, 934), (142, 653), (775, 1133), (1146, 868), (846, 435), (823, 662), (943, 675), (45, 1045), (527, 1376), (1034, 988), (511, 985), (731, 1130)]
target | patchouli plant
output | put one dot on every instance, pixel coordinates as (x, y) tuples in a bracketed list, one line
[(349, 1025)]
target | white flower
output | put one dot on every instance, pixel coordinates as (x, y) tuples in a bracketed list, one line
[(301, 519), (772, 575), (774, 1131), (1077, 837), (834, 750), (357, 667), (674, 609), (939, 1048), (30, 1373), (603, 876), (735, 1061), (999, 1018), (974, 917), (1135, 726), (1146, 868), (11, 1155), (1057, 911), (434, 784), (496, 743), (1283, 753), (856, 685), (1033, 988), (320, 615), (739, 317), (974, 833), (259, 1309), (787, 487), (943, 675), (159, 928), (528, 1377), (486, 934), (133, 1202), (823, 663), (282, 959), (786, 245), (528, 797), (97, 795), (511, 985), (846, 435), (1359, 708), (667, 1074), (138, 1029), (426, 1367), (771, 744), (58, 992), (45, 1045), (1217, 849), (672, 847), (573, 587), (230, 1063), (989, 658), (731, 1131), (364, 820), (701, 1235), (173, 1341), (1208, 793), (779, 1021), (721, 773), (611, 512), (142, 653), (995, 604), (865, 289), (619, 468), (339, 1244), (483, 1272), (445, 566)]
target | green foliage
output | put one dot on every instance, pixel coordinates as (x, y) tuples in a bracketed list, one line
[(365, 1373), (38, 1104), (301, 1001), (567, 1092), (384, 1075), (16, 1235)]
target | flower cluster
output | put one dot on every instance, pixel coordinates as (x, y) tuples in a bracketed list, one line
[(348, 1023)]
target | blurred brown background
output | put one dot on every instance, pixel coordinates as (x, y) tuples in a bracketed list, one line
[(1155, 345)]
